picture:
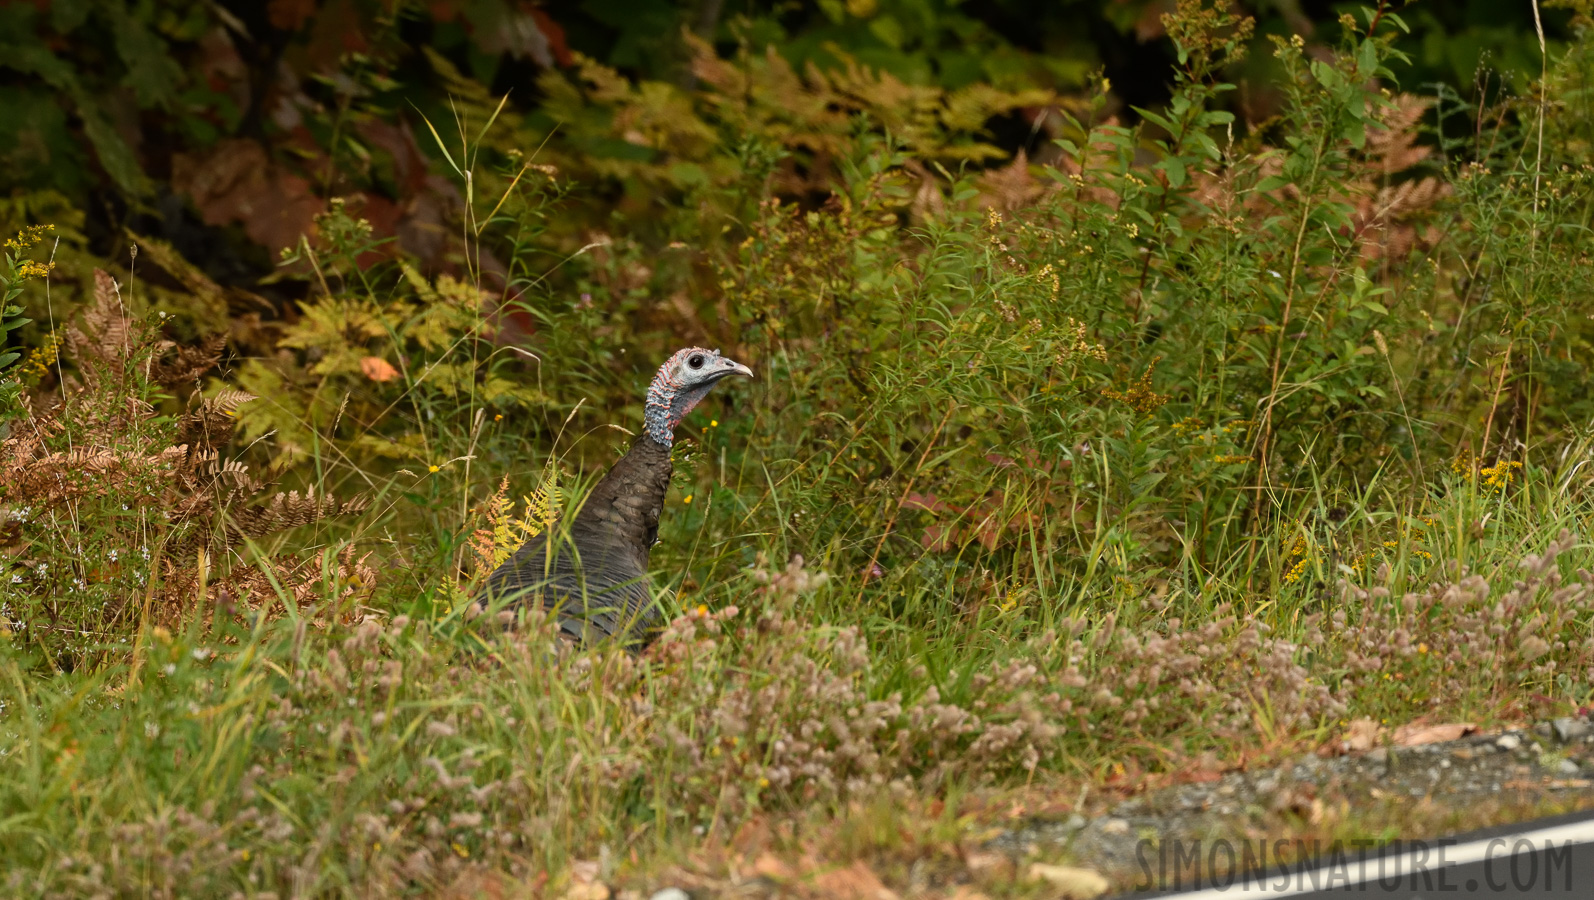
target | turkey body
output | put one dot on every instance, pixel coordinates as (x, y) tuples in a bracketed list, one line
[(594, 578)]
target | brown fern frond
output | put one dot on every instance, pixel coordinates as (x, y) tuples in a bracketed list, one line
[(212, 423), (48, 479), (177, 364), (1388, 223), (1009, 188), (285, 511), (1392, 145), (204, 475), (106, 338), (185, 502)]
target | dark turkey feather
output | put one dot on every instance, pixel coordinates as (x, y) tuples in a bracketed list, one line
[(596, 580), (593, 576)]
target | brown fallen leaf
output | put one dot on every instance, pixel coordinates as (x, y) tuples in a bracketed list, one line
[(812, 881), (1415, 735), (1072, 883), (987, 865), (480, 884), (289, 15), (378, 369), (1359, 737), (856, 882), (236, 181), (769, 866)]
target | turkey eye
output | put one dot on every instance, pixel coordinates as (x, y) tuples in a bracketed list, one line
[(695, 362)]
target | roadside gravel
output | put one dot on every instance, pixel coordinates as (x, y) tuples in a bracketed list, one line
[(1551, 764)]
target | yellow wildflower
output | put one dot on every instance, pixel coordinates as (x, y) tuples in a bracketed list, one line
[(1296, 572), (27, 237)]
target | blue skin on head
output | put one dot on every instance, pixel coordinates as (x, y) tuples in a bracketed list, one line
[(683, 381)]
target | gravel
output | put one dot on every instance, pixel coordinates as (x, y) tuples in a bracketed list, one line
[(1548, 761), (1568, 730)]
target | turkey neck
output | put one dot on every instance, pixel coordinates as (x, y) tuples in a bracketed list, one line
[(626, 504)]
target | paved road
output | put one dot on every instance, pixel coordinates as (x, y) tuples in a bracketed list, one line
[(1545, 858)]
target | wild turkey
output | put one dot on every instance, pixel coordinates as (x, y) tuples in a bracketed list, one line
[(596, 583)]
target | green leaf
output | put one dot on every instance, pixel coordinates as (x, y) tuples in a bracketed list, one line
[(115, 156), (1367, 59), (1355, 132), (888, 30), (1174, 167), (1156, 119), (151, 72), (67, 15)]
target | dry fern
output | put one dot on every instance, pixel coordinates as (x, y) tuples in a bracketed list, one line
[(1392, 206), (1389, 214), (101, 468)]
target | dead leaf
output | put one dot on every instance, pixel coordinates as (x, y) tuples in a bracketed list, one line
[(378, 369), (1149, 26), (1415, 735), (289, 15), (856, 882), (987, 865), (1362, 735), (237, 182), (769, 866), (480, 884), (925, 502), (1072, 883), (554, 35)]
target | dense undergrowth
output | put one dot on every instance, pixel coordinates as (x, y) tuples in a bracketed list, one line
[(1197, 444)]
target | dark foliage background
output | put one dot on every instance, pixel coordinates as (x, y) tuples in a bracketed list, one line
[(178, 118)]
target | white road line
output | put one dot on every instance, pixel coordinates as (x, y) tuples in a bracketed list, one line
[(1293, 883)]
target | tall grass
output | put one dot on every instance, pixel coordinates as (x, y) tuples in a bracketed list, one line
[(1193, 443)]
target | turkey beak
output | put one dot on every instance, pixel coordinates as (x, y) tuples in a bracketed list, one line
[(739, 369)]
